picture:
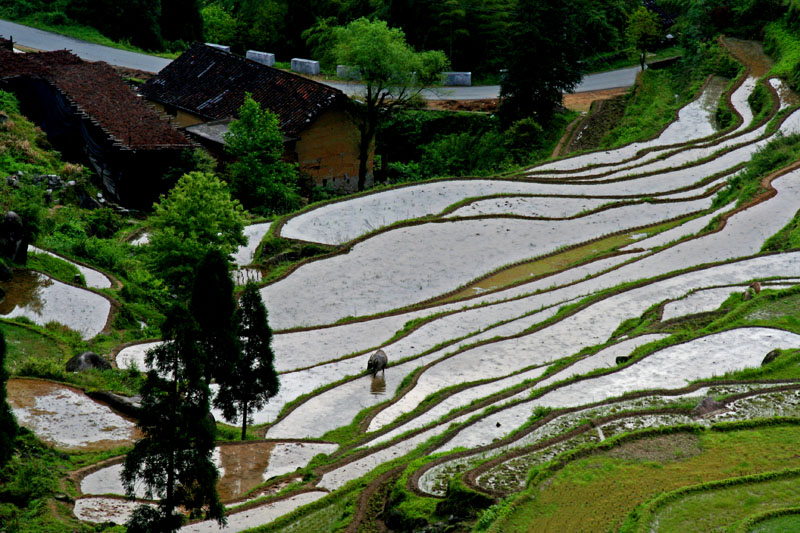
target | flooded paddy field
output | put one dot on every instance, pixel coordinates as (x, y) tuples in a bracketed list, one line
[(508, 309), (42, 299), (68, 419)]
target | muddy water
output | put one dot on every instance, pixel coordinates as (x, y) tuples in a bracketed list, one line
[(67, 418), (751, 53), (42, 300), (243, 465)]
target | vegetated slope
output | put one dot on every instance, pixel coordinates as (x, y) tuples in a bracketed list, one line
[(498, 390)]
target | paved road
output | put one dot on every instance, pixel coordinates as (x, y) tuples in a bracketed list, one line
[(43, 40), (603, 80)]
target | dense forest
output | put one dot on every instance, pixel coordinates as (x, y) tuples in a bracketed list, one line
[(471, 32)]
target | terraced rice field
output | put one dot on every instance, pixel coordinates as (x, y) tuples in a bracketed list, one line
[(524, 317)]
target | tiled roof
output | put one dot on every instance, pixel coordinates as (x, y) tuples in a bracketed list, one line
[(212, 83), (98, 92)]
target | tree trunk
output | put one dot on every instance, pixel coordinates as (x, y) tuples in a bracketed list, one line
[(244, 419), (169, 503), (368, 128)]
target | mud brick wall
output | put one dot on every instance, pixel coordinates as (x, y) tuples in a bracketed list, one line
[(328, 152)]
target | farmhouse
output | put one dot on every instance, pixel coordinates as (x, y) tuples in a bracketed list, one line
[(88, 112), (204, 88)]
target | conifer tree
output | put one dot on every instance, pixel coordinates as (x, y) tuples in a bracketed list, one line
[(213, 306), (254, 381), (173, 458), (8, 426)]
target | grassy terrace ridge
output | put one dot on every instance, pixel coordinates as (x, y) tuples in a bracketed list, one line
[(602, 486), (597, 492)]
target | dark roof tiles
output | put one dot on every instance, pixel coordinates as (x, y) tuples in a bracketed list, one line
[(96, 90), (212, 83)]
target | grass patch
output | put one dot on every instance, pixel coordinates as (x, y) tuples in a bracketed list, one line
[(26, 344), (713, 510), (778, 524), (56, 268), (746, 185), (782, 43), (29, 482), (597, 492)]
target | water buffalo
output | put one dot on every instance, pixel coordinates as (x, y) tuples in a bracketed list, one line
[(377, 362)]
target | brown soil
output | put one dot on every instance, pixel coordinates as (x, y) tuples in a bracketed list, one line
[(751, 53), (243, 467), (662, 449), (132, 73), (604, 115), (484, 106), (583, 101)]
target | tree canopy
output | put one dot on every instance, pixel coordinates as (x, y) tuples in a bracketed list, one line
[(254, 380), (213, 307), (197, 215), (391, 71), (173, 458), (543, 62), (643, 32), (259, 178)]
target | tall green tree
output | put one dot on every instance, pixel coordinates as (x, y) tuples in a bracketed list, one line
[(643, 32), (173, 459), (259, 177), (213, 307), (392, 73), (543, 62), (197, 215), (255, 380), (8, 425), (181, 20)]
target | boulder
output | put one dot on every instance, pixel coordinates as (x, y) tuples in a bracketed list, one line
[(708, 405), (770, 357), (87, 361), (622, 359), (13, 239), (127, 405)]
